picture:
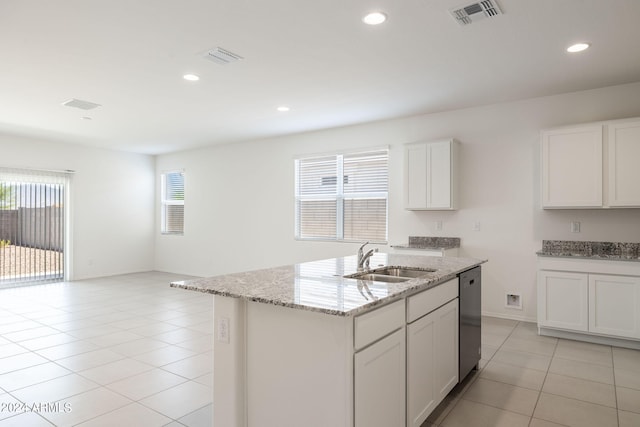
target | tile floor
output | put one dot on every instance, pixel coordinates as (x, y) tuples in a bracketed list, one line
[(529, 380), (131, 351), (125, 350)]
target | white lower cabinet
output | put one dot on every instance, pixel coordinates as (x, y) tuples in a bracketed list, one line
[(590, 302), (563, 300), (614, 305), (379, 388), (432, 361)]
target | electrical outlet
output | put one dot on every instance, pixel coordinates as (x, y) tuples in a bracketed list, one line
[(223, 329), (476, 226), (438, 225), (575, 226)]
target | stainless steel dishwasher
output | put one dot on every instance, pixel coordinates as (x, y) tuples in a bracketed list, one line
[(470, 320)]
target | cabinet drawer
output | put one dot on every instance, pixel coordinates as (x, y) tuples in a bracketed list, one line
[(427, 301), (376, 324)]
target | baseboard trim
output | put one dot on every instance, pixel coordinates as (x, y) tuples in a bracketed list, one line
[(510, 317)]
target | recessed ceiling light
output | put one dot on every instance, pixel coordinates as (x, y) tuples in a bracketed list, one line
[(191, 77), (578, 47), (86, 118), (283, 108), (374, 18)]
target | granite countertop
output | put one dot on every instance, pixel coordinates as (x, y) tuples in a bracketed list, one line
[(614, 251), (320, 286), (433, 243)]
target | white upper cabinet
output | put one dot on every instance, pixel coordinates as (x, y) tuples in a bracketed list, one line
[(623, 170), (429, 175), (572, 167), (591, 166)]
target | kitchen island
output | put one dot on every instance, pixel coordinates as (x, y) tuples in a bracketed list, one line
[(304, 345)]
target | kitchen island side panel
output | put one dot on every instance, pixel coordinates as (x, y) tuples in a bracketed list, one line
[(299, 368)]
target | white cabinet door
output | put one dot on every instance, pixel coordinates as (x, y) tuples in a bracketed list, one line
[(623, 171), (572, 167), (562, 300), (446, 349), (379, 383), (614, 305), (430, 175), (421, 393), (432, 361)]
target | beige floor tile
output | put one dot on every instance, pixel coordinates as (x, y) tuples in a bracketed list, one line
[(204, 417), (514, 375), (32, 375), (11, 349), (503, 396), (90, 359), (627, 378), (85, 406), (116, 371), (574, 413), (628, 399), (542, 348), (492, 340), (583, 370), (522, 359), (576, 388), (146, 384), (467, 414), (55, 389), (192, 367), (180, 400), (535, 422), (130, 415), (585, 352), (628, 359), (628, 419), (115, 338), (165, 355), (488, 351), (140, 346), (67, 350), (48, 341), (25, 419), (20, 361)]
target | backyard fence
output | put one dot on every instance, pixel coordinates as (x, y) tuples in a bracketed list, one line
[(39, 228)]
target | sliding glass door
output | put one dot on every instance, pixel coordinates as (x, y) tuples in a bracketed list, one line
[(32, 226)]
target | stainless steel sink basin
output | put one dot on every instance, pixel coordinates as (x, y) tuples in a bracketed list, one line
[(410, 272), (378, 277), (391, 274)]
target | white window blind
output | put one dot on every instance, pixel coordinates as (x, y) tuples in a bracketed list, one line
[(173, 202), (352, 208)]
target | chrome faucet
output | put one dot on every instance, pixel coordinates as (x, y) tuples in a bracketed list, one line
[(363, 259)]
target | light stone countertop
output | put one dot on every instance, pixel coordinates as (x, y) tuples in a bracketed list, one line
[(613, 251), (320, 286)]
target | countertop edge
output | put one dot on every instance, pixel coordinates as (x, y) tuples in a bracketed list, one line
[(418, 285)]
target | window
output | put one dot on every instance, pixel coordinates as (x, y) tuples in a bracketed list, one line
[(172, 203), (352, 208)]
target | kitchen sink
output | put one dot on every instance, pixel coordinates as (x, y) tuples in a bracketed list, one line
[(377, 277), (410, 272), (391, 274)]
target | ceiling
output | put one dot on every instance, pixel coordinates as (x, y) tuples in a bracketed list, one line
[(316, 57)]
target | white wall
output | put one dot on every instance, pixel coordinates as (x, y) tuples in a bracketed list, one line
[(112, 195), (239, 198)]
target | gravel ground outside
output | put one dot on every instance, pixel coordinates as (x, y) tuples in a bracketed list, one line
[(20, 261)]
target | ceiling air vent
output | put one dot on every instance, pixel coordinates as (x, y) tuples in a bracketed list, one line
[(465, 15), (222, 56), (79, 103)]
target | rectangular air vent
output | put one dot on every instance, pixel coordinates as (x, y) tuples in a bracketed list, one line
[(222, 56), (465, 15), (79, 103)]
